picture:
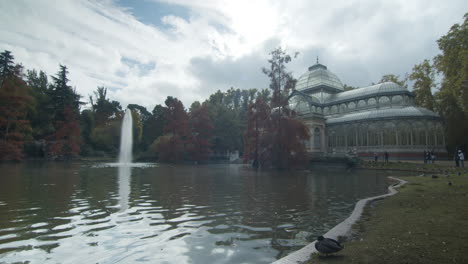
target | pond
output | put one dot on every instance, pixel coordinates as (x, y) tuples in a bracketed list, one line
[(155, 213)]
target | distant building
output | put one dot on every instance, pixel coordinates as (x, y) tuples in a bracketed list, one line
[(377, 118)]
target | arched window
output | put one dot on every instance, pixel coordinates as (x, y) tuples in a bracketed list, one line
[(384, 100), (397, 99), (334, 109), (317, 137), (342, 108)]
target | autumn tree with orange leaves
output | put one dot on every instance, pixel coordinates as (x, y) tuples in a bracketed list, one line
[(14, 103), (172, 145), (201, 129), (277, 140)]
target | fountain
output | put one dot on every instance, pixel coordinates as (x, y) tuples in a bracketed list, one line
[(126, 139), (125, 160)]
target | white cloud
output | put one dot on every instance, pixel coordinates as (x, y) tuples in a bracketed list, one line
[(104, 44)]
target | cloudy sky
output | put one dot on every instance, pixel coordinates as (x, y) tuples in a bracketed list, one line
[(146, 50)]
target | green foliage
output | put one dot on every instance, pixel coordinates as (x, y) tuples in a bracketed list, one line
[(104, 110), (423, 77), (62, 95), (107, 137), (395, 79), (64, 104), (6, 64), (40, 114), (348, 87), (452, 98)]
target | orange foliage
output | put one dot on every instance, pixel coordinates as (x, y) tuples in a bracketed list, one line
[(199, 140), (65, 142), (14, 101)]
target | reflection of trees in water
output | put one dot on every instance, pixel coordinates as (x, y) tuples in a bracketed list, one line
[(259, 206), (216, 212)]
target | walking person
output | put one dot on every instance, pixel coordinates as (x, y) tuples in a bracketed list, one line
[(386, 156), (461, 156), (376, 157)]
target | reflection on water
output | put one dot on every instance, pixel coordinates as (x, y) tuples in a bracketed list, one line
[(72, 212), (124, 186)]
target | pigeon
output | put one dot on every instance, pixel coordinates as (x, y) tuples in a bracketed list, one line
[(327, 245)]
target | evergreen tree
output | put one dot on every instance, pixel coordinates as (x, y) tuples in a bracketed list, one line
[(64, 143), (6, 64)]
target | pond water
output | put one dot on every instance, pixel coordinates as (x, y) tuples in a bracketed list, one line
[(94, 213)]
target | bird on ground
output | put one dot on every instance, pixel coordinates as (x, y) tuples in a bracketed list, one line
[(327, 245)]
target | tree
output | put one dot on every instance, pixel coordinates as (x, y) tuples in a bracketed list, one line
[(102, 107), (40, 115), (173, 147), (257, 126), (62, 95), (14, 103), (66, 139), (154, 126), (86, 128), (65, 103), (423, 77), (393, 78), (348, 87), (227, 133), (6, 65), (201, 132), (281, 136), (452, 98)]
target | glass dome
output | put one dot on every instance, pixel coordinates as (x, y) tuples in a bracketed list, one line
[(318, 76)]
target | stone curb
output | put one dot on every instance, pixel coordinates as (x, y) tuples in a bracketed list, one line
[(342, 229)]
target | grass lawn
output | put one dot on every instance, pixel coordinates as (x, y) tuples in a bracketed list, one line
[(427, 222)]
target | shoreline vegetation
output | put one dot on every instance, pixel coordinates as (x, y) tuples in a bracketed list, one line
[(44, 116), (426, 222)]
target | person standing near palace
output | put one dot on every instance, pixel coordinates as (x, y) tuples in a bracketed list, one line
[(461, 157)]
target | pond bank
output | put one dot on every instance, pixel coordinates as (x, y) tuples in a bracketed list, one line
[(343, 229), (427, 222)]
